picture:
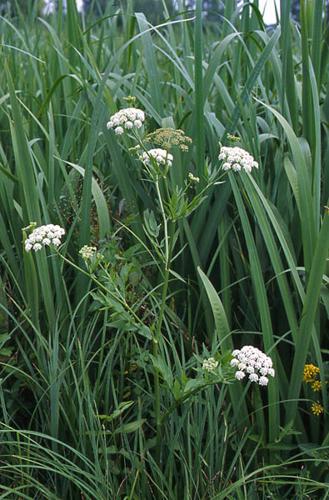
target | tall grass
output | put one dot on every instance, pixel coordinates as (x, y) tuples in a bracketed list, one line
[(76, 396)]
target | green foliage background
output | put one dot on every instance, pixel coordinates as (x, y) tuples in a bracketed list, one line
[(77, 388)]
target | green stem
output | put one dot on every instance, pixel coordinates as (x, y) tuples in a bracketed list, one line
[(168, 236), (165, 224), (156, 341)]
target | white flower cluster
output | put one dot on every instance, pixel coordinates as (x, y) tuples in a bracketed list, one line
[(87, 252), (209, 364), (43, 236), (161, 156), (126, 118), (254, 363), (237, 159)]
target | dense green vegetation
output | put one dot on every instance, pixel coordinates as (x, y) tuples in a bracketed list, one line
[(103, 393)]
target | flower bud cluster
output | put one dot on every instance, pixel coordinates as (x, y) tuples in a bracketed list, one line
[(127, 118), (311, 372), (193, 178), (87, 252), (209, 364), (253, 363), (236, 159), (311, 376), (161, 156), (43, 236)]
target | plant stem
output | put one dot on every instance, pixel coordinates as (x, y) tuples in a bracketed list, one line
[(168, 236), (165, 224)]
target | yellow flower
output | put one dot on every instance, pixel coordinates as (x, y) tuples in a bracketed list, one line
[(316, 385), (310, 373), (317, 409)]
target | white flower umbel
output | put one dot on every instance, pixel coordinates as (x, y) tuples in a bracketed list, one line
[(126, 119), (236, 159), (160, 156), (209, 364), (252, 362), (43, 236)]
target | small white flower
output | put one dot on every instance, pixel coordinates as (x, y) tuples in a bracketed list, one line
[(130, 114), (253, 377), (127, 118), (138, 123), (239, 375), (236, 159), (234, 362), (271, 372), (263, 381), (37, 247)]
